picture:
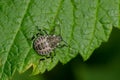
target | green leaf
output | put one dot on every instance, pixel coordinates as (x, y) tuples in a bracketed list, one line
[(26, 76), (84, 25)]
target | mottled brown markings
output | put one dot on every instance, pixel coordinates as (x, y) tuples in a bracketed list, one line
[(44, 45)]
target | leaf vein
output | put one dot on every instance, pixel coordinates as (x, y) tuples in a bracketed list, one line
[(94, 29), (56, 15), (15, 36)]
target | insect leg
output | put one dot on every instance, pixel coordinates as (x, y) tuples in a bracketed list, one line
[(52, 55), (64, 45), (33, 37), (45, 32), (48, 56), (42, 59), (41, 31)]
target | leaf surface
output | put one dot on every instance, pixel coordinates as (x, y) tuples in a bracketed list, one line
[(83, 24)]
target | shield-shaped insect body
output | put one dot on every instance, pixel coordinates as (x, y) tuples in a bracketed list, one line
[(44, 45)]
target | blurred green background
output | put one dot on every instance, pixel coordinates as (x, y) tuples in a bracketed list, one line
[(104, 64)]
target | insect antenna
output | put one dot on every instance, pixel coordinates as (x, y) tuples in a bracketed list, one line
[(41, 31), (65, 43)]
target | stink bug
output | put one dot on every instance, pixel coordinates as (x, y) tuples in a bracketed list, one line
[(44, 44)]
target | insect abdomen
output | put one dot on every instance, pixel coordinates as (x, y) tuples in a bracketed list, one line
[(42, 46), (45, 44)]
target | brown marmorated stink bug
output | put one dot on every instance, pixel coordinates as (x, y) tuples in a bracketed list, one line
[(45, 44)]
